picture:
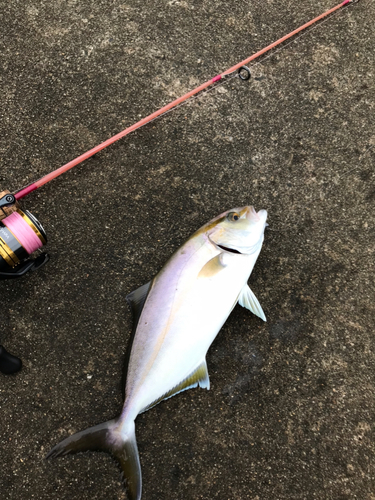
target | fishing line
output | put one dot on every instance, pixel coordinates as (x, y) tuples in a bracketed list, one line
[(345, 174), (362, 156), (238, 67), (360, 160), (297, 38), (24, 229), (323, 196), (229, 77), (272, 53)]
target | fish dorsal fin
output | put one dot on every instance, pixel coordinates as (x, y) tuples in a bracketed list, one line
[(137, 299), (199, 377), (247, 299)]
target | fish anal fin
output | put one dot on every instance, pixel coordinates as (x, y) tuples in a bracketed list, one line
[(248, 300), (199, 377)]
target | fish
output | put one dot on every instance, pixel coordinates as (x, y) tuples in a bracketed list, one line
[(177, 315)]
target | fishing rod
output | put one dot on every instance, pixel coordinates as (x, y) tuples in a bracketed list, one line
[(241, 66), (21, 234)]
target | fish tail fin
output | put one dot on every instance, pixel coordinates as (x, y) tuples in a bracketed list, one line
[(115, 437)]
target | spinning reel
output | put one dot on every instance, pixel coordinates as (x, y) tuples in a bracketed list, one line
[(21, 234)]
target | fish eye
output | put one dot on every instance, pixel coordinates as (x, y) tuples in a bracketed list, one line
[(233, 216)]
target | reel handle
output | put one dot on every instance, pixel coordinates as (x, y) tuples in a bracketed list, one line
[(8, 204)]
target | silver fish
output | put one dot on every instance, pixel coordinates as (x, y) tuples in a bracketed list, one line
[(176, 317)]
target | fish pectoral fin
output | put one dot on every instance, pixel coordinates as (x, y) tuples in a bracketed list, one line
[(248, 300), (213, 266), (137, 299), (199, 377)]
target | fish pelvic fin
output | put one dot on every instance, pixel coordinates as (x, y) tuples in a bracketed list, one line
[(248, 300), (199, 377), (114, 437)]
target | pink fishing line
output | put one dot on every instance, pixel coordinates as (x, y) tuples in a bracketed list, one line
[(23, 232)]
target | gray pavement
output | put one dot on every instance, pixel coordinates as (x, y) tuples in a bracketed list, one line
[(290, 413)]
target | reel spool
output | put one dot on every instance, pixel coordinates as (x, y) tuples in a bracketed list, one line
[(21, 234)]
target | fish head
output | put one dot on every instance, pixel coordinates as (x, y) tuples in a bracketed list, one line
[(240, 230)]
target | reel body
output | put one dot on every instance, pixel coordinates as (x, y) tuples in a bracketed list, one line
[(21, 234)]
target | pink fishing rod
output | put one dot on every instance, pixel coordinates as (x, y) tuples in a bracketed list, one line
[(47, 178)]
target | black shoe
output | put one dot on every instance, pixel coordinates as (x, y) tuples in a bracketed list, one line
[(9, 363)]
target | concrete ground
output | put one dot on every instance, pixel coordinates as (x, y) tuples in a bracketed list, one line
[(290, 413)]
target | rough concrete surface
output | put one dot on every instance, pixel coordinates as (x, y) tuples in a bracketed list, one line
[(290, 413)]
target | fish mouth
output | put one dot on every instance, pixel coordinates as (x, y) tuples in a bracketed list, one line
[(252, 215), (227, 249)]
